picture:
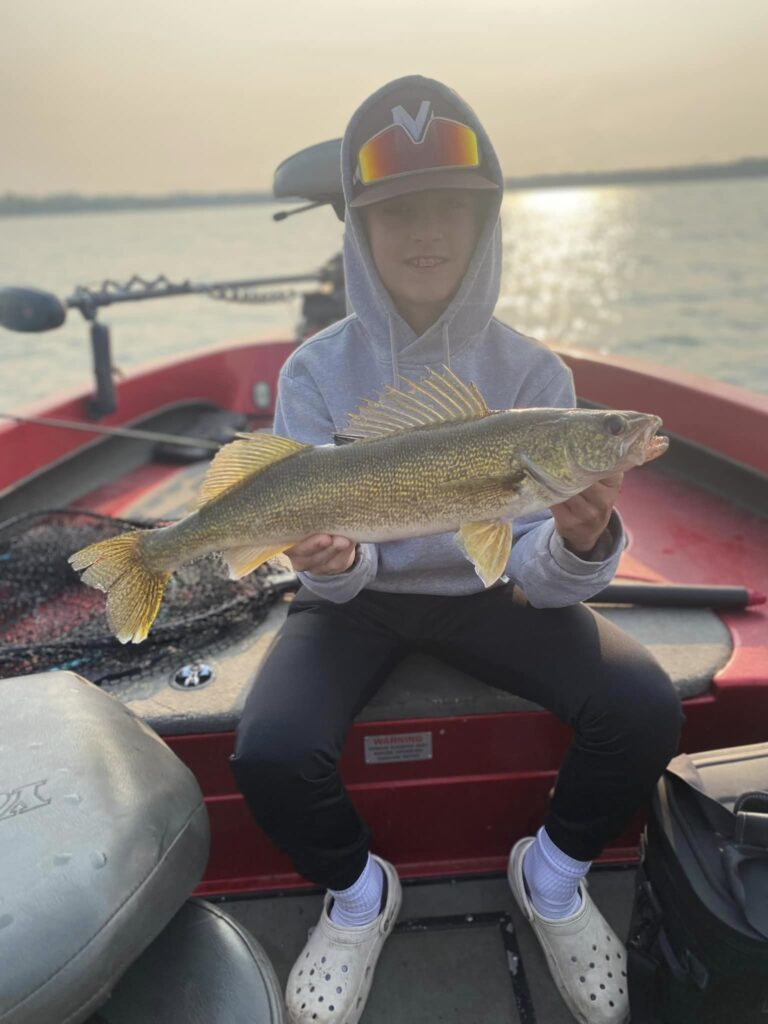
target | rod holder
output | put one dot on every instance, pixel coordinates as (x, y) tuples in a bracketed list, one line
[(103, 401)]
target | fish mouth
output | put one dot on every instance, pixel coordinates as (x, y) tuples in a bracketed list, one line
[(643, 443)]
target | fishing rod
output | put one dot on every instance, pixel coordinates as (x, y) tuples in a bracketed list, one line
[(131, 432), (679, 595)]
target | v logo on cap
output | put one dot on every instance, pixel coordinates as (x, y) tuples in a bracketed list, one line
[(414, 126)]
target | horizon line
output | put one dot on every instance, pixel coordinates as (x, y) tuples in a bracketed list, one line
[(510, 182)]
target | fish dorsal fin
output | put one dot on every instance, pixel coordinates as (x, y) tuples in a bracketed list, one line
[(436, 398), (248, 455)]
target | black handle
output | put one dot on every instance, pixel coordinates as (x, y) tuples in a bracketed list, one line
[(677, 595)]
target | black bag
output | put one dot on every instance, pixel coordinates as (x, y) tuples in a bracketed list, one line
[(698, 940)]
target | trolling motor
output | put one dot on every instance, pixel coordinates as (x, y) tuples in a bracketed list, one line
[(312, 173), (32, 310)]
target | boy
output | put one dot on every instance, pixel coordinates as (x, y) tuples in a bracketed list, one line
[(422, 260)]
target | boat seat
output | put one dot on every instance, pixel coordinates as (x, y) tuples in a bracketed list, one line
[(204, 968), (690, 644), (104, 836)]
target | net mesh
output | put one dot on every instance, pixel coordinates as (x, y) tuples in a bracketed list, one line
[(50, 620)]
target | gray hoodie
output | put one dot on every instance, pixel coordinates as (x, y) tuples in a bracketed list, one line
[(327, 377)]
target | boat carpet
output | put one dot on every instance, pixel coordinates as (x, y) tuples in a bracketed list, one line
[(446, 961)]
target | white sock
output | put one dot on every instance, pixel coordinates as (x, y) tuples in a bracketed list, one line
[(553, 878), (360, 904)]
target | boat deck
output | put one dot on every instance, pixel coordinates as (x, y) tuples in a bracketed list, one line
[(461, 952)]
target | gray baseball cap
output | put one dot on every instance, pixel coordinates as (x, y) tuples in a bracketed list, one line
[(413, 140)]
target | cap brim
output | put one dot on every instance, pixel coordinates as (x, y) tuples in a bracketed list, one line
[(421, 183)]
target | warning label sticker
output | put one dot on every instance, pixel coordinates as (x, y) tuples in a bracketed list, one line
[(401, 746)]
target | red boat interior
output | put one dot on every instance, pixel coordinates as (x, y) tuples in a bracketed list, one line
[(435, 745)]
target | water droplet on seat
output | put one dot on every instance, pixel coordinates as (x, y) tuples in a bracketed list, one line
[(98, 859), (62, 858)]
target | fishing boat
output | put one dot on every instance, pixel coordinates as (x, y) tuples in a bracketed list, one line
[(135, 885)]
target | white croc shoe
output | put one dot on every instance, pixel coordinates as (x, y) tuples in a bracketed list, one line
[(330, 981), (586, 959)]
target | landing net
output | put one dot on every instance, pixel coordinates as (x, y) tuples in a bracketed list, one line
[(50, 620)]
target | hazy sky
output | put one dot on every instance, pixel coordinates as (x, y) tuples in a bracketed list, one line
[(152, 96)]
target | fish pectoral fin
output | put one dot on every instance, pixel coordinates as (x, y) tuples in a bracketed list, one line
[(249, 455), (247, 557), (487, 545)]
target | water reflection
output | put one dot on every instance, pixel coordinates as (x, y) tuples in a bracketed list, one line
[(569, 262)]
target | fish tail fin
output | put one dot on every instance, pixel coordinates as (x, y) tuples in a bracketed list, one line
[(134, 591)]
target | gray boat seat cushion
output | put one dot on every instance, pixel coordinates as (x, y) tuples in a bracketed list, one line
[(103, 835), (205, 968)]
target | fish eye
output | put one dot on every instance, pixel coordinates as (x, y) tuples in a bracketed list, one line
[(614, 424)]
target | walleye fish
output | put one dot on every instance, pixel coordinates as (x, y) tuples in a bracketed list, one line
[(428, 460)]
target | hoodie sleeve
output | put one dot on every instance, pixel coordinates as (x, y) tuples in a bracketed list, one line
[(550, 575), (301, 414)]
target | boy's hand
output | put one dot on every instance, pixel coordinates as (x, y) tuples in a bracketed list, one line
[(582, 520), (322, 554)]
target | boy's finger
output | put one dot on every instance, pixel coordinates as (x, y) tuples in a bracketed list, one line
[(309, 546)]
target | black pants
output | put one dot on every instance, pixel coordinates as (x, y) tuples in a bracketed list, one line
[(328, 660)]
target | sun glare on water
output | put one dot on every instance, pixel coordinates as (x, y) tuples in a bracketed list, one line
[(568, 259)]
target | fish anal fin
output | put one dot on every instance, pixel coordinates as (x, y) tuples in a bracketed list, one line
[(248, 455), (247, 557), (487, 545), (436, 399)]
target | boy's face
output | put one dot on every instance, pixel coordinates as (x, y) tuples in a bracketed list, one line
[(421, 244)]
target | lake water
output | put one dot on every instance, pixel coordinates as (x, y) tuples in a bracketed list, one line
[(675, 274)]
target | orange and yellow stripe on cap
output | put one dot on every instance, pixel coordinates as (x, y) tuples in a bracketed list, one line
[(392, 152)]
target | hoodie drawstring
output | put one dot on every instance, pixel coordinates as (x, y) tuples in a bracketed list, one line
[(393, 350)]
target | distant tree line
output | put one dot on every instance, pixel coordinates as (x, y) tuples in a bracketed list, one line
[(71, 202), (749, 167)]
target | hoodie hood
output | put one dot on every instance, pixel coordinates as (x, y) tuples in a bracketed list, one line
[(471, 308)]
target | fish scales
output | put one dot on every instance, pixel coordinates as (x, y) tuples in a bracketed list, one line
[(442, 474)]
